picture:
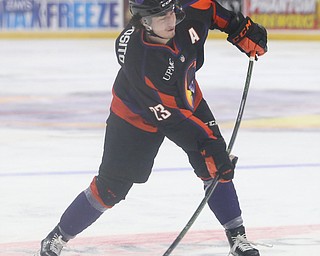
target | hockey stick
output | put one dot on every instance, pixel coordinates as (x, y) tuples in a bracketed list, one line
[(209, 190)]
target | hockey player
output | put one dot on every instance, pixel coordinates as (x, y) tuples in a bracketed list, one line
[(156, 95)]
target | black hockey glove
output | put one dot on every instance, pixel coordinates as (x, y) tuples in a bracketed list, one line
[(219, 163), (250, 37)]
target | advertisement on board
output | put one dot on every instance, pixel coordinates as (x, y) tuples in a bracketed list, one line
[(284, 14), (103, 17), (56, 15)]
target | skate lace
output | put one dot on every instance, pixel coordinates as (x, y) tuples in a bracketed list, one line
[(243, 244), (56, 244)]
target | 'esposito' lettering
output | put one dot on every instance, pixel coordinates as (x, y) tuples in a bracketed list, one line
[(123, 44)]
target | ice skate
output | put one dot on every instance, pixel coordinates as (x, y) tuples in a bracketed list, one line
[(239, 245), (52, 244)]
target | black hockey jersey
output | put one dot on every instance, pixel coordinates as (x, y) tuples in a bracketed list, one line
[(156, 87)]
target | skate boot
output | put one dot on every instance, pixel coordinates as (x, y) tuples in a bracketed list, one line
[(239, 245), (53, 243)]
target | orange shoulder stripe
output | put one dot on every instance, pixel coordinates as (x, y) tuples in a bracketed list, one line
[(205, 5), (202, 4)]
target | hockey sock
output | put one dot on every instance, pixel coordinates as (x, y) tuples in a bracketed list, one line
[(225, 205), (79, 215)]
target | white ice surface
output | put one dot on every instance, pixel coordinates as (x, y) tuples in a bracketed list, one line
[(54, 98)]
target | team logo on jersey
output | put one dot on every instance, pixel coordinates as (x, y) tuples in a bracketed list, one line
[(182, 58), (190, 85), (169, 72)]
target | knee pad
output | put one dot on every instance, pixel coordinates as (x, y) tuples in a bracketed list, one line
[(109, 192)]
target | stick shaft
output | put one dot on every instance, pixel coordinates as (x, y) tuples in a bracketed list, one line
[(204, 201), (242, 105), (215, 181)]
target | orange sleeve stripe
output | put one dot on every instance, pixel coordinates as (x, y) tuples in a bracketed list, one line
[(203, 126), (188, 115), (166, 100), (202, 4), (221, 23), (121, 110)]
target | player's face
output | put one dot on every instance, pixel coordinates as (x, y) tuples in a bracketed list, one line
[(164, 25)]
